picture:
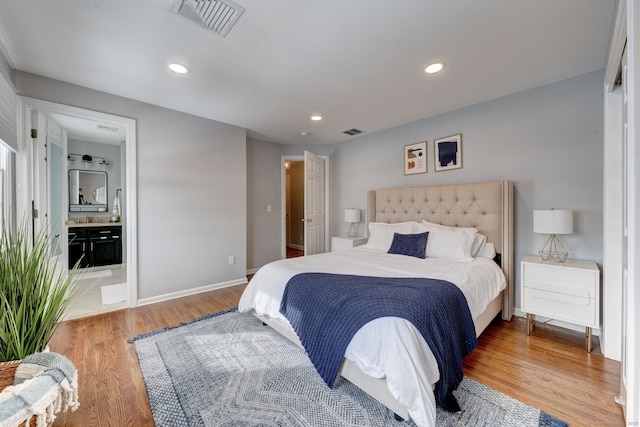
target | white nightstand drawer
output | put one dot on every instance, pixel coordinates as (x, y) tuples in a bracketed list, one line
[(560, 278), (559, 288), (571, 308)]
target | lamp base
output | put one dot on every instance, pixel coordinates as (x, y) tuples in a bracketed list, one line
[(351, 232), (553, 250)]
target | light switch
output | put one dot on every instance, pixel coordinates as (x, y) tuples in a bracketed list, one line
[(268, 208)]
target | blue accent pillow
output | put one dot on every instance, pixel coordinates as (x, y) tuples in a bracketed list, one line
[(409, 244)]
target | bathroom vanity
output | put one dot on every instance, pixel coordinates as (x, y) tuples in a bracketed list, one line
[(95, 244)]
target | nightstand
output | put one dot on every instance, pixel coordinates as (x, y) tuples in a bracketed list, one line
[(568, 291), (341, 243)]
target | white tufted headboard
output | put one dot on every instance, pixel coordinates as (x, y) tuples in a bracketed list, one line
[(487, 206)]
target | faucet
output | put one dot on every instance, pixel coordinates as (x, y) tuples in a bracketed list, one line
[(87, 221)]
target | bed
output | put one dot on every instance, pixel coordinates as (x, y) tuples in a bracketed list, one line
[(399, 369)]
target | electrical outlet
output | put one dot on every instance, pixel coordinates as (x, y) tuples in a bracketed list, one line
[(232, 260), (268, 208)]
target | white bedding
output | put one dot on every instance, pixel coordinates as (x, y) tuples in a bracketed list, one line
[(386, 347)]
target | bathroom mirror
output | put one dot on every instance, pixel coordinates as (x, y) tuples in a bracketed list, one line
[(87, 191)]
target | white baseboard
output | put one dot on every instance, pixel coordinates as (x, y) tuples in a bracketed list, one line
[(253, 270), (560, 323), (188, 292)]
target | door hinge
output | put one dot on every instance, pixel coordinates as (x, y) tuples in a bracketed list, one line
[(34, 133), (34, 211)]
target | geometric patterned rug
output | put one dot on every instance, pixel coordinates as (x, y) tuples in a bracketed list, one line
[(228, 369)]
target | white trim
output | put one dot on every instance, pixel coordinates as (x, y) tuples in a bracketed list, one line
[(24, 165), (611, 341), (633, 253), (194, 291)]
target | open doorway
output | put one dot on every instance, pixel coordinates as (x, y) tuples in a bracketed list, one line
[(70, 145), (305, 204), (294, 211)]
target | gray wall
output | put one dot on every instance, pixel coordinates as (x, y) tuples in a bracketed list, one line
[(547, 140), (192, 199), (263, 188)]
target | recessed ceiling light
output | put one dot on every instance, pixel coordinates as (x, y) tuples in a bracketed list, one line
[(178, 68), (316, 117), (434, 68)]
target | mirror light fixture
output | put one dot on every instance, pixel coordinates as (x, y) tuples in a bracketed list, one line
[(87, 158), (552, 222), (316, 117), (352, 216)]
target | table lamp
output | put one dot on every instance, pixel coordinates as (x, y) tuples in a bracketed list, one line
[(352, 216), (552, 222)]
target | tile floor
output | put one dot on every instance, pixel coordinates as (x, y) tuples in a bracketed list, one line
[(88, 300)]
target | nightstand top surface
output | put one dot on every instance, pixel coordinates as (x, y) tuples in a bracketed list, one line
[(351, 237), (570, 263)]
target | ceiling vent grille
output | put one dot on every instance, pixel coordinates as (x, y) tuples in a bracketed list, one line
[(352, 132), (219, 16)]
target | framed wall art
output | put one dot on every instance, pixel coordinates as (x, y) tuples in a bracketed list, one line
[(415, 158), (448, 152)]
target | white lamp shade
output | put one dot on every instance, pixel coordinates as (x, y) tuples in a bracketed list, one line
[(553, 221), (352, 215)]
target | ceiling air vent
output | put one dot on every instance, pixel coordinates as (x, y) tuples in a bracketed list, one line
[(219, 16), (352, 132)]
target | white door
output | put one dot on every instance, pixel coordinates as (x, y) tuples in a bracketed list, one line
[(624, 360), (314, 204), (57, 199), (39, 203), (49, 146)]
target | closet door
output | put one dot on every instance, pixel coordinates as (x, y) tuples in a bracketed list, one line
[(624, 360)]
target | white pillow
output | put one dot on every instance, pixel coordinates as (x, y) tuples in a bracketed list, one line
[(478, 244), (488, 251), (449, 242), (381, 233)]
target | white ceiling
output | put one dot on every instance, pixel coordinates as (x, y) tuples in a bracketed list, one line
[(358, 63), (89, 130)]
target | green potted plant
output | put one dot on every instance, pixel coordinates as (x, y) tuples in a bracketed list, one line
[(34, 293)]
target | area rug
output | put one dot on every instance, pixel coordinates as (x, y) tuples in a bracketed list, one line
[(228, 369)]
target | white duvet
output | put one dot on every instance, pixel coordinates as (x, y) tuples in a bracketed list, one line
[(386, 347)]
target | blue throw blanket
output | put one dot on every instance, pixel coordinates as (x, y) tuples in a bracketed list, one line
[(326, 311)]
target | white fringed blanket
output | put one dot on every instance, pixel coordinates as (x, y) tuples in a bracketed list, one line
[(44, 384)]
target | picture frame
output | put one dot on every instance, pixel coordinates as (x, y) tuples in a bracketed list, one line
[(415, 158), (448, 153)]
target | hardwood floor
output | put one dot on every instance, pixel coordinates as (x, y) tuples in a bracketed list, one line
[(549, 369), (294, 253)]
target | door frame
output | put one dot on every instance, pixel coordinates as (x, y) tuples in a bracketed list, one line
[(283, 202), (24, 172)]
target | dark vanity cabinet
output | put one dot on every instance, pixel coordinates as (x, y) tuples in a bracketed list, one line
[(95, 245)]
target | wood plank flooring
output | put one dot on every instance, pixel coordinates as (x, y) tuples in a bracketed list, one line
[(549, 369)]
